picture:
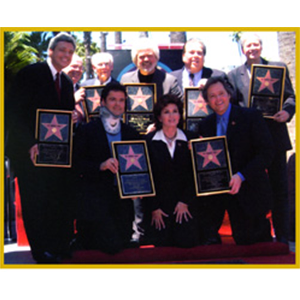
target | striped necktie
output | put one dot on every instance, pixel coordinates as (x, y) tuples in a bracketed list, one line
[(191, 79)]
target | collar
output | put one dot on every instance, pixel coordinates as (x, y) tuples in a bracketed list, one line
[(97, 81), (52, 68), (197, 76), (159, 136), (226, 114)]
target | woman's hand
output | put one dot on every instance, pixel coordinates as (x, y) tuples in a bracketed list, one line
[(111, 164), (182, 211), (157, 219)]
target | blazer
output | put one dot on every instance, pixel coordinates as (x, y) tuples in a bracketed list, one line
[(240, 80), (251, 151), (91, 148), (165, 83), (173, 177), (206, 73), (33, 88)]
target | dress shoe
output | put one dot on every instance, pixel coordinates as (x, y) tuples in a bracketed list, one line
[(47, 258)]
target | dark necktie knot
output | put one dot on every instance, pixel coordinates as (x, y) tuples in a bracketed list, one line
[(191, 77)]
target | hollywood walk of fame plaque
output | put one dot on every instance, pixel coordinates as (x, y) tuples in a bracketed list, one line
[(211, 165), (195, 108), (92, 101), (134, 176), (266, 89), (54, 130), (140, 105)]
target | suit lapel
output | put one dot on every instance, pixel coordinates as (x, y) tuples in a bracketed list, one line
[(244, 75), (232, 122)]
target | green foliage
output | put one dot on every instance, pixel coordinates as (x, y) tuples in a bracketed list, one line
[(17, 54)]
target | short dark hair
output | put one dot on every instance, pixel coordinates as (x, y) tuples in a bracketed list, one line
[(164, 101), (194, 40), (61, 37), (217, 79), (113, 86)]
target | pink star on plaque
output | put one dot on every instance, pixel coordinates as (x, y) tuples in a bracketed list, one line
[(267, 82), (95, 99), (210, 155), (132, 159), (199, 104), (54, 128), (139, 99)]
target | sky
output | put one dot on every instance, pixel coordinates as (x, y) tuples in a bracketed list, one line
[(222, 52)]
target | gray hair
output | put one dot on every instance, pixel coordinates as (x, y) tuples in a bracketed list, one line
[(195, 40), (61, 37), (247, 35), (144, 44), (98, 57)]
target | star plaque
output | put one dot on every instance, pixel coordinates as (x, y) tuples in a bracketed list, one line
[(92, 101), (266, 89), (211, 165), (54, 129), (134, 176), (195, 108), (140, 104)]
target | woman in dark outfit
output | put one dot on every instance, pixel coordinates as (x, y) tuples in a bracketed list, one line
[(169, 215)]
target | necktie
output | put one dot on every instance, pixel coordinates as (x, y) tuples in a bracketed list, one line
[(57, 86), (223, 128), (191, 79)]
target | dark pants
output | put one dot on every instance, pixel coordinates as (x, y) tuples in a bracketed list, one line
[(47, 208), (246, 228), (280, 206), (111, 231)]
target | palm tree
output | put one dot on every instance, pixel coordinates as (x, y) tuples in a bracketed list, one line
[(17, 55), (177, 37), (87, 38)]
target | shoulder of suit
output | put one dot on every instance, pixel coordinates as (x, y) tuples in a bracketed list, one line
[(177, 72), (88, 82), (127, 75)]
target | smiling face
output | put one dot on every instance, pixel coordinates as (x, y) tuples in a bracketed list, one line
[(103, 69), (252, 49), (115, 102), (61, 55), (74, 70), (146, 61), (169, 116), (193, 57), (218, 98)]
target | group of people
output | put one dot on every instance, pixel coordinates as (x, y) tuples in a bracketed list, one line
[(53, 198)]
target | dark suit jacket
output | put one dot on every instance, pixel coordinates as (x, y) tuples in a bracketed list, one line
[(93, 81), (91, 148), (33, 88), (251, 152), (207, 73), (240, 80), (165, 83), (173, 177)]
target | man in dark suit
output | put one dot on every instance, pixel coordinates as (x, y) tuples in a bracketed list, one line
[(240, 79), (194, 73), (145, 55), (45, 192), (251, 151), (104, 221)]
